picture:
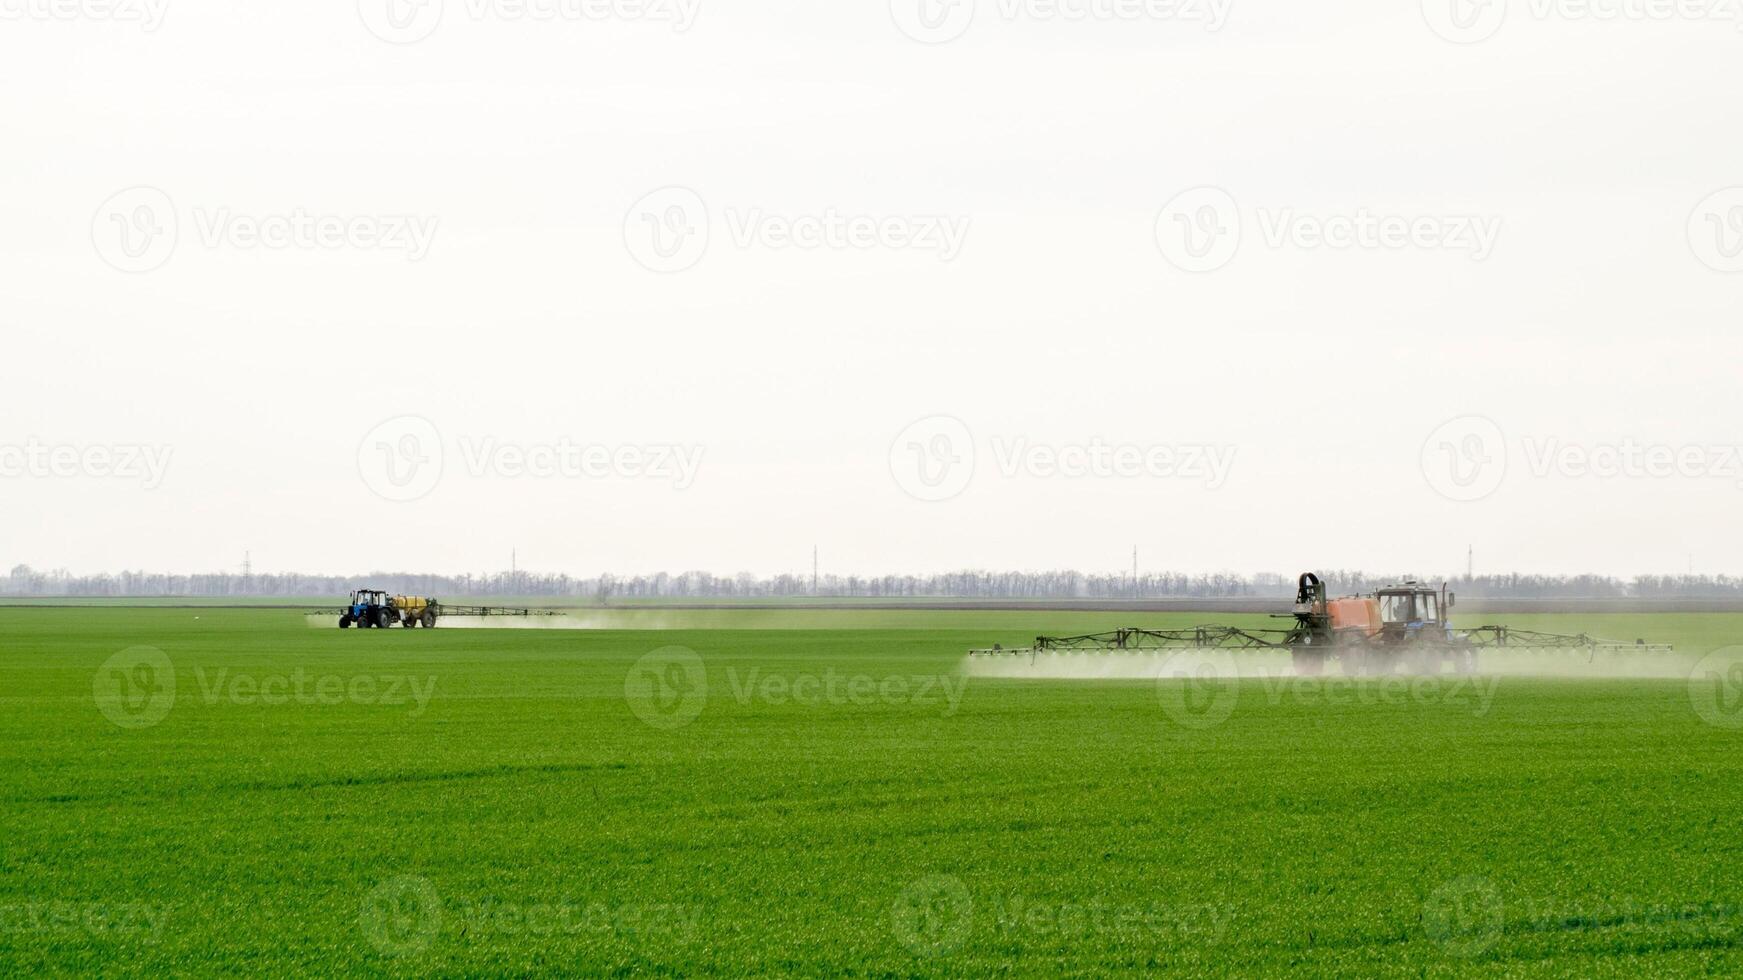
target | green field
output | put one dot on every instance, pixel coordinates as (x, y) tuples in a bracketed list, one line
[(813, 793)]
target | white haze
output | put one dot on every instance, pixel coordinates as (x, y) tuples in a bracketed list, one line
[(1675, 665)]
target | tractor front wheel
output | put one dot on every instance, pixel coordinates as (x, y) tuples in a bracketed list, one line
[(429, 619), (345, 621)]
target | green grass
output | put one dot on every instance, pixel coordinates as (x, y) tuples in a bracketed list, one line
[(526, 818)]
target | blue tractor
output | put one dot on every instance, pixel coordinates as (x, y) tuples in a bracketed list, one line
[(369, 608)]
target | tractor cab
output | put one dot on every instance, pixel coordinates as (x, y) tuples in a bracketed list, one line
[(365, 599), (1413, 606), (368, 607)]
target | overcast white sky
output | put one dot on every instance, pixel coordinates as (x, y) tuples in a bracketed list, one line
[(578, 230)]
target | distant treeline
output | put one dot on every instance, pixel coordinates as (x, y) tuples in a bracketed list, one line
[(24, 580)]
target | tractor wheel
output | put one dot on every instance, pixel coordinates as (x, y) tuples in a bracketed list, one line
[(386, 619), (429, 619), (1353, 661), (345, 621)]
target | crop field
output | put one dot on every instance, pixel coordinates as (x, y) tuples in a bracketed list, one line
[(836, 792)]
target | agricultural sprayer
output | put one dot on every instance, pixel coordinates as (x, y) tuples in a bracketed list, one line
[(1401, 628), (376, 608)]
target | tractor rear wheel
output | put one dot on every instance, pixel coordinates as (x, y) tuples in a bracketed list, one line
[(385, 618), (1307, 663), (345, 621)]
